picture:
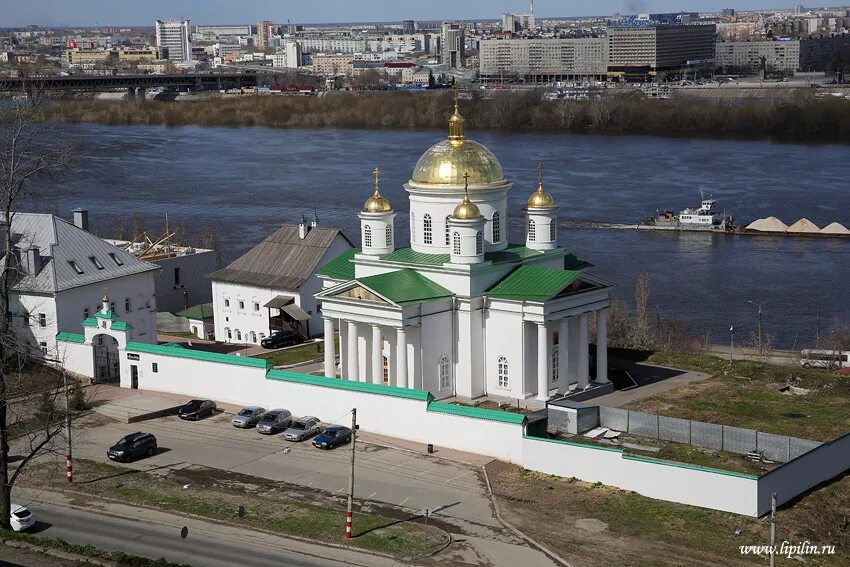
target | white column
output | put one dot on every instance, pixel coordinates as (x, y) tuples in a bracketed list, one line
[(602, 346), (573, 350), (353, 370), (542, 362), (583, 354), (343, 349), (563, 345), (330, 354), (377, 358), (402, 379)]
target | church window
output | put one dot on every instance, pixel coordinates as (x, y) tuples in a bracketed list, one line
[(389, 236), (556, 361), (532, 232), (428, 235), (253, 337), (238, 335), (553, 230), (445, 373), (456, 242), (479, 243), (228, 332), (504, 378), (448, 233), (226, 302), (241, 304), (367, 236), (496, 228), (127, 305), (256, 305), (86, 313)]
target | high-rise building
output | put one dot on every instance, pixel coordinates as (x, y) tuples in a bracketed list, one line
[(264, 32), (748, 56), (289, 55), (408, 27), (544, 59), (452, 43), (639, 52), (174, 36)]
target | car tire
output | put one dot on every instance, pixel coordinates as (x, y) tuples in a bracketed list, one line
[(151, 451)]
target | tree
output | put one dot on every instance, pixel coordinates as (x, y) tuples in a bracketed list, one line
[(431, 81), (28, 151)]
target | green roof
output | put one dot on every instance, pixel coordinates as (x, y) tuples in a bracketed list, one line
[(107, 315), (405, 287), (90, 322), (202, 311), (513, 253), (341, 267), (573, 262), (477, 413), (71, 338), (121, 326), (410, 256), (350, 385), (531, 283), (166, 350)]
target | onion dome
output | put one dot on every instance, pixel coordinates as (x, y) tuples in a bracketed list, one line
[(466, 210), (540, 199), (377, 203)]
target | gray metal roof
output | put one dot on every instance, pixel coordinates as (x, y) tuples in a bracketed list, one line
[(281, 261), (60, 243)]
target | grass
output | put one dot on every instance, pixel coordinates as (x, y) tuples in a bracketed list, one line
[(181, 334), (269, 509), (117, 557), (296, 354), (637, 530), (747, 394)]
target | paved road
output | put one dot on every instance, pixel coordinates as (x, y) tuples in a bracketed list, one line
[(200, 548)]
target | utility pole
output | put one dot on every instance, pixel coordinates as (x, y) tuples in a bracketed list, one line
[(758, 317), (773, 530), (348, 514), (68, 471), (731, 342)]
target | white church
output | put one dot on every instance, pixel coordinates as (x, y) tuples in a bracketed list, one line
[(462, 312)]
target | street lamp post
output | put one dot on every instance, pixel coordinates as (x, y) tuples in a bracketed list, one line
[(731, 342)]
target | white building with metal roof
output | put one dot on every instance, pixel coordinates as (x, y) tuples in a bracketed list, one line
[(271, 287), (64, 272), (462, 312)]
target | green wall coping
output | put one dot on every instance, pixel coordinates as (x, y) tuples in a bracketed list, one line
[(575, 444), (477, 413), (165, 350), (71, 338), (350, 385), (687, 466)]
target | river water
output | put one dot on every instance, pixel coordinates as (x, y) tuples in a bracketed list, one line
[(248, 181)]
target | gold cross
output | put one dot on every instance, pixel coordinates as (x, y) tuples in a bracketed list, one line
[(466, 183), (377, 173), (540, 173)]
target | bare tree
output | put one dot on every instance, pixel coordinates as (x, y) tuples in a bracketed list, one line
[(600, 112), (28, 151)]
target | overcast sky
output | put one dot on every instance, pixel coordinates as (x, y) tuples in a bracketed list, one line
[(144, 12)]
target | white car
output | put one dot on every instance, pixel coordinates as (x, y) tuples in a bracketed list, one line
[(21, 518)]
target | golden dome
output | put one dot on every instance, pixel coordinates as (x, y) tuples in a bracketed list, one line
[(466, 210), (377, 203), (540, 199), (445, 162)]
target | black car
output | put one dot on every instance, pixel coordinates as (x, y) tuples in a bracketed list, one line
[(132, 447), (196, 409), (280, 339), (332, 436)]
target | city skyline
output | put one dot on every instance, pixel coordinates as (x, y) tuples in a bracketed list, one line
[(58, 13)]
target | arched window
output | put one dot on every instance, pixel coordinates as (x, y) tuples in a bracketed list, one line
[(253, 337), (445, 373), (428, 235), (504, 378), (262, 336), (238, 335), (495, 223), (553, 230), (532, 231), (389, 236), (556, 361), (367, 236), (479, 243), (448, 233), (456, 242), (228, 332), (412, 227)]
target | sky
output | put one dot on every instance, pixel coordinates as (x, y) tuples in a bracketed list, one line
[(49, 13)]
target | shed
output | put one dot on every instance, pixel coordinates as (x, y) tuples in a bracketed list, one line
[(569, 416)]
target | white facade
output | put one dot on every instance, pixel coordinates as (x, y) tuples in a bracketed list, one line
[(570, 57), (289, 55), (778, 55), (175, 37)]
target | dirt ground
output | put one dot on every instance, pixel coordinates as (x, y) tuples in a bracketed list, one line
[(594, 525), (15, 557)]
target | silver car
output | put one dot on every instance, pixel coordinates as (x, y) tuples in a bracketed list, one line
[(248, 417), (274, 421), (302, 429)]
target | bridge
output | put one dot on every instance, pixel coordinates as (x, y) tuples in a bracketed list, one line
[(133, 83)]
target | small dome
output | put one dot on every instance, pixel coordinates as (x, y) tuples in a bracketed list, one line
[(466, 210), (540, 199), (376, 203)]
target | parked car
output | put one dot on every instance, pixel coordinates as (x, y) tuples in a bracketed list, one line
[(302, 429), (132, 447), (332, 436), (280, 339), (196, 409), (21, 518), (274, 421), (248, 417)]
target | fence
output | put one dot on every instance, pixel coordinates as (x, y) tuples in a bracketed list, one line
[(781, 448)]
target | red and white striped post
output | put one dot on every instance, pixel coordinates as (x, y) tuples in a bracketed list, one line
[(348, 525), (68, 472)]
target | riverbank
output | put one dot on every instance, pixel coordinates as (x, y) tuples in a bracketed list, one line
[(805, 119)]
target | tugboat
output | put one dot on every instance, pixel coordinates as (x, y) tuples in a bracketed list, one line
[(704, 219)]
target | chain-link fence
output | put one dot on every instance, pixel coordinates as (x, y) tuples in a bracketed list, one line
[(781, 448)]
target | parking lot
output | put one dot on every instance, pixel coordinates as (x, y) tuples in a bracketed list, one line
[(383, 474)]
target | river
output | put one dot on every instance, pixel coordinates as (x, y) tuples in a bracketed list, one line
[(248, 181)]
